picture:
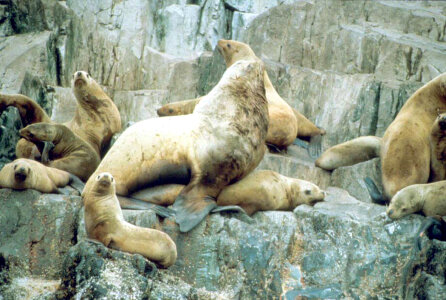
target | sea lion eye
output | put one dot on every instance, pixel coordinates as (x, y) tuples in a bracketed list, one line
[(229, 45), (307, 192), (98, 177), (112, 179), (88, 75)]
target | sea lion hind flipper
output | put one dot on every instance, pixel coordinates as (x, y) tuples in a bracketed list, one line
[(132, 203), (374, 192), (45, 155), (190, 211), (228, 208), (76, 183), (315, 146), (300, 143), (433, 228)]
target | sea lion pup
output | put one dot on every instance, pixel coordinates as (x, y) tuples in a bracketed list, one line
[(95, 121), (221, 142), (259, 191), (405, 147), (25, 173), (430, 199), (70, 153), (349, 153), (438, 148), (104, 222)]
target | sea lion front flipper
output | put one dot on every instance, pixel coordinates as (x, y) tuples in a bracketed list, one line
[(76, 183), (315, 146), (300, 143), (132, 203), (45, 155), (190, 211), (375, 194)]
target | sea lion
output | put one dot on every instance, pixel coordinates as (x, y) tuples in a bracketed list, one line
[(285, 123), (179, 108), (95, 121), (25, 173), (438, 148), (405, 149), (220, 143), (430, 199), (104, 222), (70, 153), (434, 227), (349, 153), (259, 191)]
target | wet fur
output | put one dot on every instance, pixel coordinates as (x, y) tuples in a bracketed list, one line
[(70, 153)]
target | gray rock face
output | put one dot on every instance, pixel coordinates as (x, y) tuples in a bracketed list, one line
[(349, 66)]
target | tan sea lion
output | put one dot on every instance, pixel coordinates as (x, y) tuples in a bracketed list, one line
[(70, 153), (25, 173), (259, 191), (104, 222), (430, 199), (438, 149), (405, 149), (220, 143), (349, 153), (95, 121), (285, 123)]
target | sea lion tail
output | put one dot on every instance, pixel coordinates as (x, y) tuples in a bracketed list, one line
[(76, 183), (315, 146), (374, 192), (190, 211), (132, 203)]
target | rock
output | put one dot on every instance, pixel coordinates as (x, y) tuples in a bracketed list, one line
[(10, 124), (92, 271), (37, 229)]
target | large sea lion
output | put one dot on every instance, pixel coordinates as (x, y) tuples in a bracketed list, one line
[(70, 153), (349, 153), (438, 149), (25, 173), (285, 123), (405, 148), (260, 190), (220, 143), (430, 199), (104, 222), (95, 121)]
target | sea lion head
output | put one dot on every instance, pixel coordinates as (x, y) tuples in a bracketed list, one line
[(234, 51), (405, 202), (36, 131), (104, 183), (305, 192), (168, 110), (85, 88), (22, 170)]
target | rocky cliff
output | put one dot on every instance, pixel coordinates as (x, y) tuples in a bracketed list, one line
[(349, 66)]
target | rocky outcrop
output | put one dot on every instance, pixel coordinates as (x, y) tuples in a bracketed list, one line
[(349, 66)]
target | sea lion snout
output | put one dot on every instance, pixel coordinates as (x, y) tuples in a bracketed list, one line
[(105, 179), (80, 78), (20, 173), (390, 212), (442, 123)]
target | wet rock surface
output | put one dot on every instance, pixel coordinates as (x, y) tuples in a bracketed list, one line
[(349, 66)]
